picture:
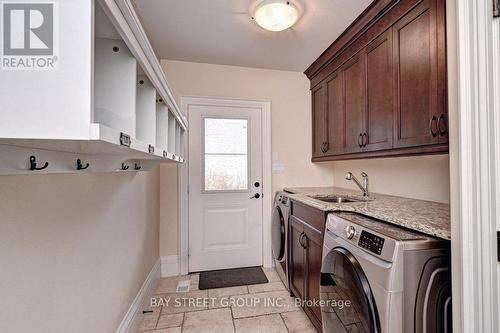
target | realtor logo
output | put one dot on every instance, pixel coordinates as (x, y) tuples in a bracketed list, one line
[(28, 36)]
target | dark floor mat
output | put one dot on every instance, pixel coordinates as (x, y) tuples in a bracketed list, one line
[(232, 277)]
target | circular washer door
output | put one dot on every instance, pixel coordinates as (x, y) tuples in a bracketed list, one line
[(347, 300), (278, 234)]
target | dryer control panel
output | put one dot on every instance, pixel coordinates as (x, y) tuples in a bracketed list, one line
[(371, 242)]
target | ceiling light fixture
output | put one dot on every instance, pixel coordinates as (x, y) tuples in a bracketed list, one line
[(276, 15)]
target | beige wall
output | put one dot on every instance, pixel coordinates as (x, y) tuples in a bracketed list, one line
[(420, 177), (168, 210), (75, 249)]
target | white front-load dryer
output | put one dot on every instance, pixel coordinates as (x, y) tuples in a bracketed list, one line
[(377, 277)]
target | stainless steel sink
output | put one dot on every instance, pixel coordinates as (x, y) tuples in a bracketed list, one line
[(337, 198)]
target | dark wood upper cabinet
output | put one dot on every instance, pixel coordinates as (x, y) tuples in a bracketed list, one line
[(354, 102), (380, 89), (319, 121), (336, 115), (383, 91), (415, 59)]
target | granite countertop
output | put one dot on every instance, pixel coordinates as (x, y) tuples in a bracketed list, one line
[(428, 217)]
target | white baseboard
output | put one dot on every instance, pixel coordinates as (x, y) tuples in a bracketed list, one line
[(134, 316), (169, 266)]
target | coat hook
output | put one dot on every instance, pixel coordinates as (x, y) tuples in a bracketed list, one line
[(79, 165), (33, 164), (137, 167), (125, 167)]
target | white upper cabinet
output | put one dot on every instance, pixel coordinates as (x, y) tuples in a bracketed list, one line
[(115, 86), (104, 94), (161, 124), (146, 110)]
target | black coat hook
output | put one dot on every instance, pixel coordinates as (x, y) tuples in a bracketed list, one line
[(137, 167), (33, 164), (125, 167), (79, 165)]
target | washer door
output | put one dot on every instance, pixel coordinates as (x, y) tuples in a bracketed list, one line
[(278, 234), (347, 303)]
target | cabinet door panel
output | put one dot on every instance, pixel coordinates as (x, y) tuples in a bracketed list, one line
[(336, 116), (379, 78), (319, 120), (296, 260), (314, 247), (415, 57), (442, 70), (355, 88)]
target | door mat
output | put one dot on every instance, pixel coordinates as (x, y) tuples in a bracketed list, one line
[(224, 278)]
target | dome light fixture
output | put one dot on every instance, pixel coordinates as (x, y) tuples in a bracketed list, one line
[(276, 15)]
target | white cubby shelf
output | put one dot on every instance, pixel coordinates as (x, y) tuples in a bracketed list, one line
[(107, 103)]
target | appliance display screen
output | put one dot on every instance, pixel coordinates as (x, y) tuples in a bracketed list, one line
[(371, 242)]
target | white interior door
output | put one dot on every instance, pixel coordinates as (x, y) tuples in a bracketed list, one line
[(225, 187)]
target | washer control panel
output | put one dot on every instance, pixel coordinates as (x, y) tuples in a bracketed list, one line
[(350, 231), (371, 242), (342, 230), (284, 200)]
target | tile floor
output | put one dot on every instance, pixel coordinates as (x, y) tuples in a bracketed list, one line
[(264, 308)]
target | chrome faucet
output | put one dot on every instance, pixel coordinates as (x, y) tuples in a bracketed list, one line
[(364, 186)]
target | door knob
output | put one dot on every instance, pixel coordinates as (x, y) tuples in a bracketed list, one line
[(255, 196)]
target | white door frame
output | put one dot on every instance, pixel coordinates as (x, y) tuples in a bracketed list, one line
[(265, 106), (475, 170)]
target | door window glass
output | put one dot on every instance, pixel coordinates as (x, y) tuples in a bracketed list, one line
[(225, 154)]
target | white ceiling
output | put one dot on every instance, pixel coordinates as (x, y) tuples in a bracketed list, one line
[(222, 32)]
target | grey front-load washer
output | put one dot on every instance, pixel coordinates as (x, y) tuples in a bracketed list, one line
[(377, 277), (279, 236)]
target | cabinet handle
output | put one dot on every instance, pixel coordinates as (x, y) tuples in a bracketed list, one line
[(433, 124), (326, 147), (365, 139), (323, 147), (301, 240), (442, 120), (360, 140)]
